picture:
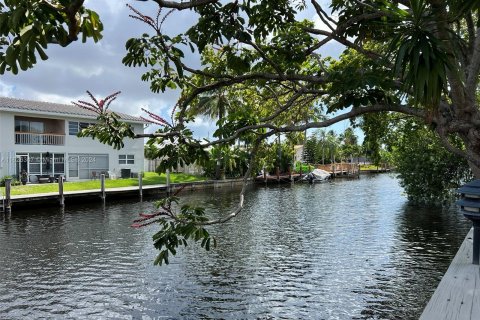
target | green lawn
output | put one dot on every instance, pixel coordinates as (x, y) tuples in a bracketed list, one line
[(149, 179), (369, 167)]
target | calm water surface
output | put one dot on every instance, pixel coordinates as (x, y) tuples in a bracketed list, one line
[(340, 250)]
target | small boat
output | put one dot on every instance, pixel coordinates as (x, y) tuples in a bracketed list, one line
[(317, 175)]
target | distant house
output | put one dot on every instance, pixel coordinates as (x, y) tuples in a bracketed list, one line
[(298, 153), (152, 165), (40, 138)]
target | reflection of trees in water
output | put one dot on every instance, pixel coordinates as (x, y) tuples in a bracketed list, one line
[(428, 239), (255, 251)]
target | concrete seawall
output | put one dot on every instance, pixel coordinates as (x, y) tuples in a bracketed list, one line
[(52, 198)]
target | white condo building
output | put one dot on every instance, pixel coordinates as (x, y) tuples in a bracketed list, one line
[(40, 138)]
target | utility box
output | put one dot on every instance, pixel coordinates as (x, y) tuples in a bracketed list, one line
[(125, 173)]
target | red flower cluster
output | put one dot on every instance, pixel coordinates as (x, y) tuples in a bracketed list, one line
[(155, 118), (139, 223), (142, 17), (99, 107)]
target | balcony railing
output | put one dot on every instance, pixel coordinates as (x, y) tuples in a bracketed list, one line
[(48, 139)]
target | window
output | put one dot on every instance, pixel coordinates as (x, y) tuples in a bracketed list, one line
[(22, 126), (34, 163), (85, 166), (59, 163), (84, 125), (29, 126), (126, 159), (74, 127), (46, 163)]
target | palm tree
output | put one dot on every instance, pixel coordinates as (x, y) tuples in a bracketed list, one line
[(214, 105), (333, 143), (350, 142), (322, 137)]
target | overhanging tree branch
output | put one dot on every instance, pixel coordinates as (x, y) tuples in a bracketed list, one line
[(463, 154), (183, 4), (355, 112), (253, 155)]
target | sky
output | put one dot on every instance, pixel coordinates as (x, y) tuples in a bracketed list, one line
[(71, 71)]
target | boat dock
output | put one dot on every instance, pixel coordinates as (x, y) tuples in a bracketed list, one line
[(339, 170), (54, 198), (458, 294)]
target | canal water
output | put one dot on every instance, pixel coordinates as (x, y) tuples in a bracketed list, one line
[(340, 250)]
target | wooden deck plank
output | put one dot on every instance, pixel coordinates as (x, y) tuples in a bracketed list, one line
[(458, 294)]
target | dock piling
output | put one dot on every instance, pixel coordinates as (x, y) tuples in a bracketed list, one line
[(140, 184), (61, 196), (102, 186), (167, 173), (8, 197)]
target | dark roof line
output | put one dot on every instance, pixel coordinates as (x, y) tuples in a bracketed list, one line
[(50, 107)]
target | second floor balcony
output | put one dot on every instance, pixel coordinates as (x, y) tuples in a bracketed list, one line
[(39, 131), (48, 139)]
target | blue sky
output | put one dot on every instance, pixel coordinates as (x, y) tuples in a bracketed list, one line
[(97, 67)]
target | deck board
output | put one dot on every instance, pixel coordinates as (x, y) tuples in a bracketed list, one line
[(458, 294)]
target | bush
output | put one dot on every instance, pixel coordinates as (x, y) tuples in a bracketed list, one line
[(304, 167), (15, 182), (427, 171)]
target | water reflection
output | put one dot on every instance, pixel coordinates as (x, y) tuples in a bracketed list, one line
[(425, 242), (340, 250)]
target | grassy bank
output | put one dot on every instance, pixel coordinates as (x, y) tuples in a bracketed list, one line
[(150, 178), (370, 167)]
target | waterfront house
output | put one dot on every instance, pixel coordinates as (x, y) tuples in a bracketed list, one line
[(40, 138)]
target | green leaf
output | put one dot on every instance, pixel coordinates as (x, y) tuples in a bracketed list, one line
[(40, 51)]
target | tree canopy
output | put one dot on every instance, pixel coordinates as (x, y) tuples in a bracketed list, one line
[(27, 27), (418, 58)]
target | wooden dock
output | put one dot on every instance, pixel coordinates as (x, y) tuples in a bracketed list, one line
[(458, 294), (340, 170), (110, 193)]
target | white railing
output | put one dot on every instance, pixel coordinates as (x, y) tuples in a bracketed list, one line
[(40, 139)]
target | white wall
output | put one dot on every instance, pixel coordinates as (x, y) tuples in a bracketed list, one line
[(7, 144)]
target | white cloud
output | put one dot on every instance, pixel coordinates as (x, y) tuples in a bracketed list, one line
[(7, 90), (88, 73), (321, 25), (107, 6), (41, 96)]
